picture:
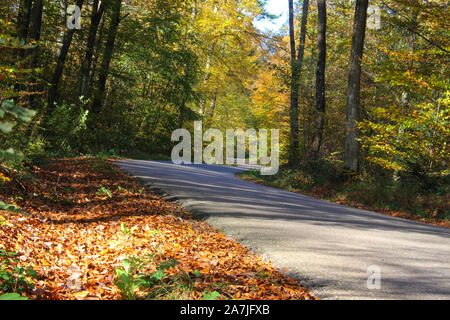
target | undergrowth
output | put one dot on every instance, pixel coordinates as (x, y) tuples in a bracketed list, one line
[(423, 198)]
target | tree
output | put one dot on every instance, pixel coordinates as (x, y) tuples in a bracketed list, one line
[(320, 79), (116, 6), (296, 66), (23, 26), (36, 20), (352, 145), (57, 73), (301, 50), (34, 34), (405, 129), (23, 19), (96, 17)]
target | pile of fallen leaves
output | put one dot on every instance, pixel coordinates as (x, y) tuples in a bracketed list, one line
[(86, 216)]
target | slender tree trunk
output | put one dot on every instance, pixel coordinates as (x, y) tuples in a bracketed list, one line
[(181, 114), (310, 107), (301, 49), (301, 53), (35, 21), (205, 81), (352, 146), (97, 53), (23, 19), (115, 6), (320, 79), (34, 33), (296, 66), (212, 105), (97, 14), (293, 152), (57, 73), (23, 26)]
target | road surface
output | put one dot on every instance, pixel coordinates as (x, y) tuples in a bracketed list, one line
[(327, 246)]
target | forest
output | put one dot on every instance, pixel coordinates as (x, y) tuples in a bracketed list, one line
[(359, 90)]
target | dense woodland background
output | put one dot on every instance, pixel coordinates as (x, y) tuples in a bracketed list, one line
[(137, 70)]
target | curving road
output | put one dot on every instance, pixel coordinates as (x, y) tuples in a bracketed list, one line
[(327, 246)]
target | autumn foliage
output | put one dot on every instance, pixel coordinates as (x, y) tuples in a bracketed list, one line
[(84, 217)]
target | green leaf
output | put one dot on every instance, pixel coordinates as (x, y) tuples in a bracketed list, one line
[(31, 272), (158, 275), (123, 228), (10, 207), (167, 264), (103, 190), (6, 127), (126, 265), (8, 105), (211, 295), (12, 296)]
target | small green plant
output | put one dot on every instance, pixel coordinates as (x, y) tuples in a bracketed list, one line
[(11, 208), (138, 191), (126, 281), (104, 191), (13, 276), (152, 285), (125, 230), (55, 198), (111, 154), (211, 295), (152, 233)]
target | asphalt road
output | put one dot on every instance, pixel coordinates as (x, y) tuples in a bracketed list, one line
[(328, 247)]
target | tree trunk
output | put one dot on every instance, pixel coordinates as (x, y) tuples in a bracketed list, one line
[(352, 146), (293, 152), (57, 73), (296, 66), (301, 49), (181, 115), (36, 21), (320, 79), (97, 52), (97, 14), (23, 25), (212, 105), (116, 6), (34, 33), (23, 19)]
